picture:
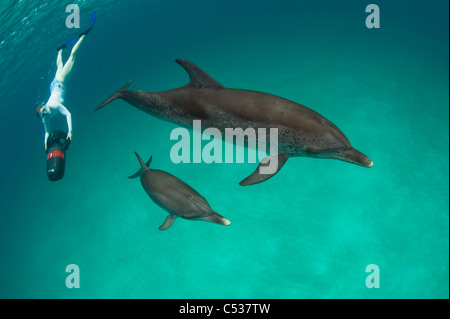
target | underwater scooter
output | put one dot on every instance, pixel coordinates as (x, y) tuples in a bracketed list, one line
[(57, 145)]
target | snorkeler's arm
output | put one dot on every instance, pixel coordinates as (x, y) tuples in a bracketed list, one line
[(47, 130), (64, 111)]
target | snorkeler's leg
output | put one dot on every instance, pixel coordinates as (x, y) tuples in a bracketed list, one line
[(77, 45), (64, 74), (59, 62)]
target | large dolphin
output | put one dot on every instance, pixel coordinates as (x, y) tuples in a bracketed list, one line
[(301, 131), (175, 196)]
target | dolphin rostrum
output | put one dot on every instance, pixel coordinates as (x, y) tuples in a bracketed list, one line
[(301, 131), (175, 196)]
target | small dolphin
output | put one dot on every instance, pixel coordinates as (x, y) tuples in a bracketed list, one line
[(301, 131), (175, 196)]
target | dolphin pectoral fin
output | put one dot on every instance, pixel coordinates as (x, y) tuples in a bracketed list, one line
[(264, 170), (168, 222)]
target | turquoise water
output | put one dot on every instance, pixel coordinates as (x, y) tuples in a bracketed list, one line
[(309, 232)]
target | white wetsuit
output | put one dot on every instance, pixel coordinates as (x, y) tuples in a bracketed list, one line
[(54, 106)]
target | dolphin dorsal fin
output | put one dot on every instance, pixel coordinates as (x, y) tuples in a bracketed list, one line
[(199, 79)]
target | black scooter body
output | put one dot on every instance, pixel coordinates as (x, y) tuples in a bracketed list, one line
[(57, 145)]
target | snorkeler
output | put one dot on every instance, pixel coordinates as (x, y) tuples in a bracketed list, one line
[(54, 105)]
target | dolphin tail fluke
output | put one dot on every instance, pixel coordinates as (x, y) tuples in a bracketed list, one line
[(118, 94), (168, 222), (264, 170), (137, 174), (143, 166), (216, 218)]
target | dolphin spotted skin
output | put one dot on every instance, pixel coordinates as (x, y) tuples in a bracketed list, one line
[(175, 196), (301, 131)]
